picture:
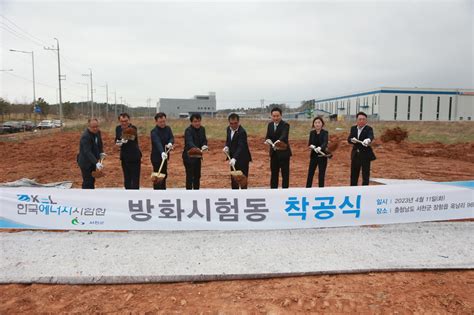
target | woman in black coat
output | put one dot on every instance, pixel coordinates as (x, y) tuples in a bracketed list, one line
[(318, 142)]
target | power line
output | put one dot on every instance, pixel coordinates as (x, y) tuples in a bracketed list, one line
[(38, 40), (18, 35), (29, 80)]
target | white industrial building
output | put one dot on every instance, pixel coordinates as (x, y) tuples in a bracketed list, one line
[(404, 104), (177, 107)]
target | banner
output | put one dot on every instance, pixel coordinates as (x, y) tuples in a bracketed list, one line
[(224, 209)]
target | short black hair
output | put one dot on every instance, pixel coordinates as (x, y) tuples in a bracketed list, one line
[(233, 116), (361, 113), (276, 109), (159, 115), (91, 120), (123, 115), (195, 116), (318, 118)]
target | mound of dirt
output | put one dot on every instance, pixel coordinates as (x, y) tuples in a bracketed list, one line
[(396, 134), (458, 151)]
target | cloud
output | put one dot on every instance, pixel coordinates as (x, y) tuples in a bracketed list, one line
[(245, 51)]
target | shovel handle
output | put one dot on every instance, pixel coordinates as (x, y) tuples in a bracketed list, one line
[(163, 161), (228, 156)]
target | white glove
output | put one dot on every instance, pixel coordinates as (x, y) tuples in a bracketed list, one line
[(366, 142), (312, 147), (269, 142), (276, 142), (118, 143), (169, 146), (204, 148), (232, 162), (124, 140), (99, 166), (164, 156), (102, 155), (318, 150), (226, 149), (354, 140)]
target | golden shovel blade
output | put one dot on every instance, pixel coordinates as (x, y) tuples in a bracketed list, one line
[(236, 173)]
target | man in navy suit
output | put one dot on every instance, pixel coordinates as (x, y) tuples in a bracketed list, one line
[(237, 147), (278, 131), (194, 137), (130, 154), (362, 153), (91, 151)]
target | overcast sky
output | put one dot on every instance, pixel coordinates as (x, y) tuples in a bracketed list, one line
[(283, 52)]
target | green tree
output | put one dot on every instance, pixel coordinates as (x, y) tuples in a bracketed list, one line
[(43, 105), (5, 107), (68, 110)]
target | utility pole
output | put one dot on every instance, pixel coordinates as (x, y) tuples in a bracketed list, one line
[(115, 103), (262, 102), (60, 78), (148, 101), (121, 106), (92, 93), (87, 96), (107, 100)]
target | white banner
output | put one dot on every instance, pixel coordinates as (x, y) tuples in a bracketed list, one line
[(223, 209)]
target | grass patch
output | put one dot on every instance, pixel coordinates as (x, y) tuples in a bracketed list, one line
[(423, 132)]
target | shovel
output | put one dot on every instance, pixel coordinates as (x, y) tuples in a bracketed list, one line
[(158, 177), (98, 173), (361, 142), (237, 175)]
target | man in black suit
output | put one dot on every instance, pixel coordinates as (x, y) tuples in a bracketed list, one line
[(237, 147), (90, 152), (162, 139), (194, 137), (361, 137), (277, 134), (130, 154)]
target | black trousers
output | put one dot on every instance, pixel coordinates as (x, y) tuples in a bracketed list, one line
[(193, 173), (315, 162), (244, 167), (131, 174), (276, 165), (88, 181), (164, 170), (356, 164)]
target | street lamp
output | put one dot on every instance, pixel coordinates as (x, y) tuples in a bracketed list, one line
[(33, 65)]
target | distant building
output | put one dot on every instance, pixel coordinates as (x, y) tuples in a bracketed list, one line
[(182, 107), (404, 104)]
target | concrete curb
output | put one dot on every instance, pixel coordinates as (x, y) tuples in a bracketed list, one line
[(144, 257)]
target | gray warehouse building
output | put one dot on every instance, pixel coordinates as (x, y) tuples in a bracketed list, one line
[(183, 107), (404, 104)]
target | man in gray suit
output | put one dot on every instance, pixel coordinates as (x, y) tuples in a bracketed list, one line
[(90, 153)]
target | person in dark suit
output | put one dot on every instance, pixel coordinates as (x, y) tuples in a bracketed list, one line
[(130, 154), (194, 137), (318, 143), (278, 131), (237, 147), (361, 137), (91, 150), (162, 139)]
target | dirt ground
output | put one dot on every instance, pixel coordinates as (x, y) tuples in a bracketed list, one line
[(52, 158), (402, 292)]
